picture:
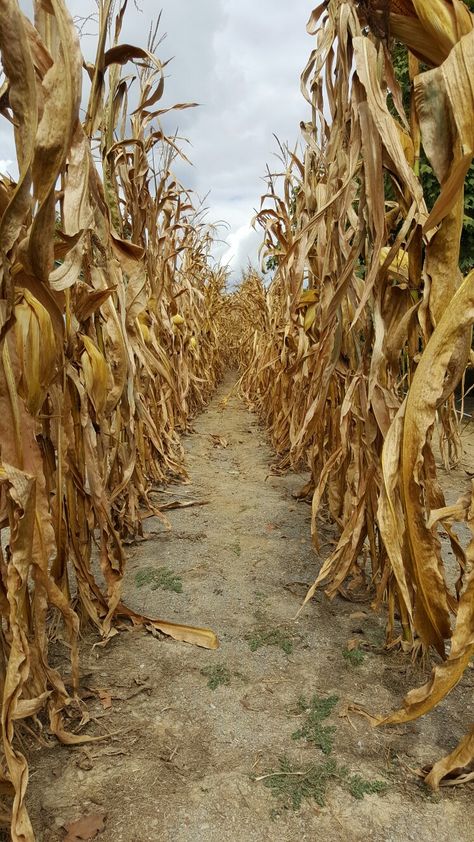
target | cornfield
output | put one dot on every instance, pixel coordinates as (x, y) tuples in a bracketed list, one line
[(115, 328)]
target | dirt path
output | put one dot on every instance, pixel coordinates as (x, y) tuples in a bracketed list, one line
[(183, 766)]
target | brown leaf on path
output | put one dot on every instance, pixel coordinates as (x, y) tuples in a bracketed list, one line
[(105, 698), (218, 441), (182, 504), (359, 709), (195, 635), (85, 828), (353, 643)]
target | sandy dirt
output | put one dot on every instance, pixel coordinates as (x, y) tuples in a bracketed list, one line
[(183, 760)]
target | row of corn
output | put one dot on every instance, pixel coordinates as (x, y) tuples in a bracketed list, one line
[(353, 352), (108, 345)]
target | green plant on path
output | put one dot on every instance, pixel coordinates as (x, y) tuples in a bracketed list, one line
[(312, 730), (159, 577), (291, 784), (217, 674), (354, 657), (358, 787), (271, 637), (236, 548)]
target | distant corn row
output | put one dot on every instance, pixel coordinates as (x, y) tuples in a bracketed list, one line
[(354, 351), (108, 309)]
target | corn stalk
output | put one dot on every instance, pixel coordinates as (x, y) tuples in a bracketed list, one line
[(108, 307), (371, 319)]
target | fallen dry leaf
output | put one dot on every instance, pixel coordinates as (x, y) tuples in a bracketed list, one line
[(86, 828), (218, 441), (182, 504), (353, 643), (105, 698)]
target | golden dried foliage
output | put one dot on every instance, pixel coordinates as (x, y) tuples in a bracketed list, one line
[(356, 347), (109, 343)]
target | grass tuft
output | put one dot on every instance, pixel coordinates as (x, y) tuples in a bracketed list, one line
[(159, 577), (271, 637), (354, 657), (217, 674), (236, 548)]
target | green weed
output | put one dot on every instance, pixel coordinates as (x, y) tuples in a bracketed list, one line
[(158, 577), (236, 548), (358, 787), (354, 657), (291, 784), (312, 730), (217, 674), (270, 637)]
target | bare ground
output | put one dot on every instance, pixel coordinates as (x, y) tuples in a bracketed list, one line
[(182, 758)]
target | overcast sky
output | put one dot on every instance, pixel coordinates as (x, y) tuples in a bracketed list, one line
[(241, 60)]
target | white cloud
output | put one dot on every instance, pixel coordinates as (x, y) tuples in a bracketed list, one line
[(243, 246), (241, 60)]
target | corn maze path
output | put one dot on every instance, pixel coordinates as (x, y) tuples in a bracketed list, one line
[(182, 758)]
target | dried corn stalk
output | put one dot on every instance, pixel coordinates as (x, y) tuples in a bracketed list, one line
[(370, 326), (109, 342)]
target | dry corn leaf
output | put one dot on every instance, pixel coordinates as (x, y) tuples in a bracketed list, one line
[(85, 828)]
